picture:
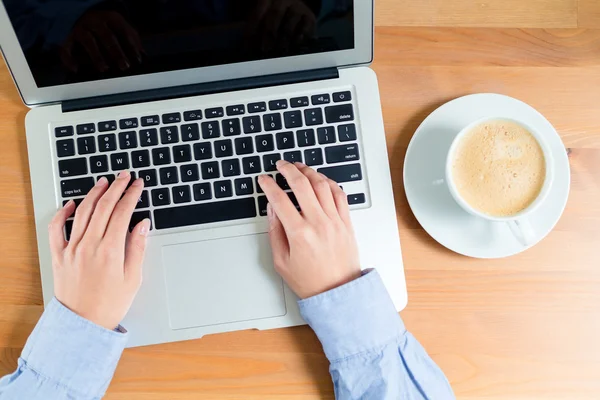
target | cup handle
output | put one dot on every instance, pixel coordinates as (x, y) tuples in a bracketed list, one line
[(523, 231)]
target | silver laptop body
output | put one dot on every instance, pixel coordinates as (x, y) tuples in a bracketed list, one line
[(199, 117)]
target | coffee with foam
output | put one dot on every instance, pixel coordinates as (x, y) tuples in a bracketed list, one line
[(498, 168)]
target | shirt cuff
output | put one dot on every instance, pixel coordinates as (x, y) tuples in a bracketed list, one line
[(354, 318), (74, 352)]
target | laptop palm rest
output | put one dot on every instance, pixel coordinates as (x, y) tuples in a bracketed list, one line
[(221, 281)]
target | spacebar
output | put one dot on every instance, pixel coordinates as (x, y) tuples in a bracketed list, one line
[(204, 213)]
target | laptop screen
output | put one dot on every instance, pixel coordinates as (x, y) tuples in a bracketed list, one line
[(73, 41)]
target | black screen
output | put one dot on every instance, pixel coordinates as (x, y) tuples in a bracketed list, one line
[(71, 41)]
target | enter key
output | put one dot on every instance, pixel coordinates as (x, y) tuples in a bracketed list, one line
[(343, 153)]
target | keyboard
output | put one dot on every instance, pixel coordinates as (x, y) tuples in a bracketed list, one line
[(200, 166)]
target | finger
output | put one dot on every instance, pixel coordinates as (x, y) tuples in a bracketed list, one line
[(302, 188), (135, 251), (131, 37), (66, 56), (320, 185), (281, 203), (84, 212), (55, 229), (118, 225), (279, 242), (112, 46), (106, 205), (88, 42), (341, 202)]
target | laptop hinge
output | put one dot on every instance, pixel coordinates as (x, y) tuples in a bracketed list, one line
[(198, 89)]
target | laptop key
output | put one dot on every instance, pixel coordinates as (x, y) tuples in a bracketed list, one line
[(107, 126), (128, 123), (326, 134), (278, 105), (258, 188), (272, 122), (210, 170), (264, 143), (149, 177), (210, 130), (161, 197), (243, 186), (98, 164), (76, 201), (305, 137), (202, 191), (263, 201), (251, 124), (293, 156), (237, 109), (110, 178), (138, 217), (127, 140), (168, 175), (161, 156), (320, 99), (189, 173), (347, 132), (292, 119), (244, 145), (119, 161), (340, 113), (338, 154), (231, 167), (270, 161), (171, 118), (343, 173), (65, 148), (223, 148), (339, 97), (181, 194), (182, 153), (148, 137), (202, 151), (76, 187), (190, 132), (140, 158), (150, 120), (313, 116), (85, 129), (169, 134), (107, 142), (223, 189), (72, 167), (68, 230), (216, 112), (282, 182), (257, 107), (297, 102), (231, 127), (358, 198), (313, 157), (193, 115), (285, 140), (86, 145), (251, 165), (64, 131), (197, 214)]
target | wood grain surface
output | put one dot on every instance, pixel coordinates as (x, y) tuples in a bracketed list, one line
[(525, 327)]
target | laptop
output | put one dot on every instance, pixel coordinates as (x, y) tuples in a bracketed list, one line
[(198, 98)]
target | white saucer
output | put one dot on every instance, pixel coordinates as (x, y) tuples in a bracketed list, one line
[(428, 194)]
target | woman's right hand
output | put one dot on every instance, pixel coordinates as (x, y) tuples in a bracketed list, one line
[(315, 250)]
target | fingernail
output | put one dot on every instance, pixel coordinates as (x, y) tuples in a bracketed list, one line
[(145, 227), (124, 174), (279, 163), (102, 181), (270, 214), (299, 164), (138, 182), (69, 204)]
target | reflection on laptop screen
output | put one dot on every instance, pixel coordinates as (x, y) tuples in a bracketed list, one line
[(71, 41)]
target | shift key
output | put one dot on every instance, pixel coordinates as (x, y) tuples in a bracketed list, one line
[(343, 173), (76, 187)]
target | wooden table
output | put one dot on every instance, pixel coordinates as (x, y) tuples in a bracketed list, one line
[(526, 327)]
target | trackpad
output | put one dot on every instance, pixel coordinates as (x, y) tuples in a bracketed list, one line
[(221, 281)]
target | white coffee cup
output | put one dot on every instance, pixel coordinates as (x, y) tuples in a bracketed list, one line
[(519, 223)]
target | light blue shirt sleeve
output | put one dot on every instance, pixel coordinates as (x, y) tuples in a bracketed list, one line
[(66, 357), (372, 355)]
